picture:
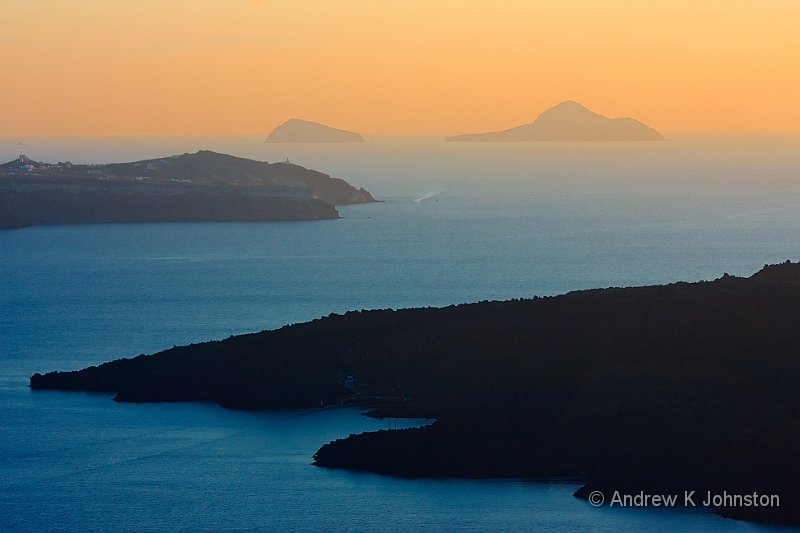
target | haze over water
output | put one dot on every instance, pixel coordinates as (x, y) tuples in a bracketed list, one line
[(459, 223)]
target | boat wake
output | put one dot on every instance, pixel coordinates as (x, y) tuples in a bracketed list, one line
[(429, 195)]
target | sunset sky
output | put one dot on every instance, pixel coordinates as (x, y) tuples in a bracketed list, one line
[(100, 67)]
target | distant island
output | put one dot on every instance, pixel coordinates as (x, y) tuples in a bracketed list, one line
[(569, 121), (296, 130), (204, 186), (661, 389)]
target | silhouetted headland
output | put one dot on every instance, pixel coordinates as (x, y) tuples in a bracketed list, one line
[(569, 121), (687, 386), (296, 130), (204, 186)]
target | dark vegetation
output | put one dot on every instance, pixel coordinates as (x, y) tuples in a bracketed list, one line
[(689, 386), (205, 186)]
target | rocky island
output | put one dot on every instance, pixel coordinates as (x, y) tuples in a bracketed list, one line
[(569, 121), (681, 387), (296, 130), (204, 186)]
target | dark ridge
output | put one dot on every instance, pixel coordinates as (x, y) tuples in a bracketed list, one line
[(688, 386)]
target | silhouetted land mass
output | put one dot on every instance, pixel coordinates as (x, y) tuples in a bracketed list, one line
[(688, 386), (296, 130), (204, 186), (569, 121)]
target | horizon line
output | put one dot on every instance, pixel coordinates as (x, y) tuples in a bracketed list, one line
[(365, 133)]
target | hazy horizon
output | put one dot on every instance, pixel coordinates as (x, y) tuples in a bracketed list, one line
[(146, 67), (386, 149), (676, 134)]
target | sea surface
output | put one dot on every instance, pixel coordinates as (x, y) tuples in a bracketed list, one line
[(458, 223)]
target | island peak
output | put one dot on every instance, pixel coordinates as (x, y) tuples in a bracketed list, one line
[(296, 130), (569, 121)]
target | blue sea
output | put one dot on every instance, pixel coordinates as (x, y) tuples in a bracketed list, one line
[(458, 223)]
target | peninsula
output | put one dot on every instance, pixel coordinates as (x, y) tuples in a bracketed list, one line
[(688, 386), (199, 187), (296, 130), (569, 121)]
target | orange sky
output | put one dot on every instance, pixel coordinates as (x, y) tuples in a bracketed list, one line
[(99, 67)]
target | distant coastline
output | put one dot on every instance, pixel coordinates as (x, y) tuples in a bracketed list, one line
[(201, 187)]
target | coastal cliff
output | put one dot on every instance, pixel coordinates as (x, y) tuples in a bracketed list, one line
[(688, 386)]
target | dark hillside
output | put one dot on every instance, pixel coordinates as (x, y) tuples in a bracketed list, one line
[(689, 386)]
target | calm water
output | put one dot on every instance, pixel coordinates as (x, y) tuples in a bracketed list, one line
[(459, 223)]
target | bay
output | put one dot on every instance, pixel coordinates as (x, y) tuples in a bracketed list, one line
[(458, 223)]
